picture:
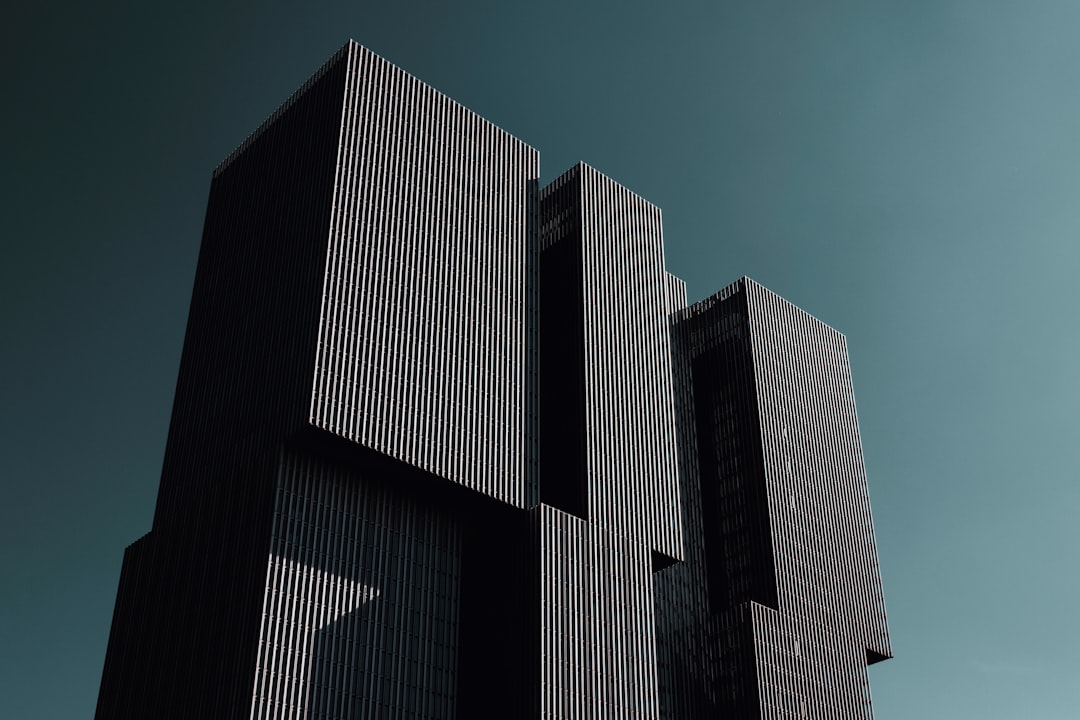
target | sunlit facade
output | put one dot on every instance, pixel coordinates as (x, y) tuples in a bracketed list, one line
[(447, 444), (779, 604)]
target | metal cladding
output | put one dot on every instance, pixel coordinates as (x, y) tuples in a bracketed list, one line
[(790, 562), (606, 404), (361, 604), (422, 337), (420, 466), (597, 636)]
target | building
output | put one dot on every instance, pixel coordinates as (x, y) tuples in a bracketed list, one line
[(445, 444), (778, 605)]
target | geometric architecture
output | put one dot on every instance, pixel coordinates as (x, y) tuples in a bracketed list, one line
[(447, 444), (782, 567), (608, 469)]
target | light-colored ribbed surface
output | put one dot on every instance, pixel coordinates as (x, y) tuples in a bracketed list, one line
[(819, 564), (630, 449), (822, 533), (596, 621), (360, 613), (423, 333), (808, 670)]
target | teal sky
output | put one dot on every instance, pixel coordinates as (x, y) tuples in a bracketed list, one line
[(908, 172)]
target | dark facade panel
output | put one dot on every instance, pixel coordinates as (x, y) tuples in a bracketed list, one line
[(823, 535), (732, 474), (424, 324), (784, 546), (194, 584), (562, 357), (419, 467), (596, 621), (361, 609), (602, 265)]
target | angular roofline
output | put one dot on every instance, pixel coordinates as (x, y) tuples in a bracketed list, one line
[(746, 281), (341, 53)]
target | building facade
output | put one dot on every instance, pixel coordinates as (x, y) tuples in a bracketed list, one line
[(447, 444), (779, 601)]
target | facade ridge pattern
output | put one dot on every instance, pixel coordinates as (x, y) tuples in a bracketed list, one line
[(447, 444)]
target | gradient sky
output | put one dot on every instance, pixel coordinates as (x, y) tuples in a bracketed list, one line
[(907, 171)]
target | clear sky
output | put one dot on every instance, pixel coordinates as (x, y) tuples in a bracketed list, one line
[(908, 172)]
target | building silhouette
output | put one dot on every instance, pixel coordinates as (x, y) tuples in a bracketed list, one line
[(447, 444)]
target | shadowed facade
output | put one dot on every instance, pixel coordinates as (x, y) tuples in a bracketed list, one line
[(445, 444)]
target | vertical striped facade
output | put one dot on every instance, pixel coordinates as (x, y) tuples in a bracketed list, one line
[(608, 446), (790, 564), (368, 272), (423, 331), (688, 646), (598, 642), (360, 615), (446, 445), (188, 612), (610, 359), (814, 471)]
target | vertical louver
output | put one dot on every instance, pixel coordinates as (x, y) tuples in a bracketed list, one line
[(447, 446), (602, 245), (598, 644), (422, 341), (790, 564), (361, 606)]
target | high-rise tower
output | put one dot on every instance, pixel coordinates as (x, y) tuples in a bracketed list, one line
[(609, 475), (446, 444), (781, 577), (356, 352)]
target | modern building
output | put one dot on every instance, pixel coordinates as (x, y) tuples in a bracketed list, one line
[(445, 444), (777, 610)]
